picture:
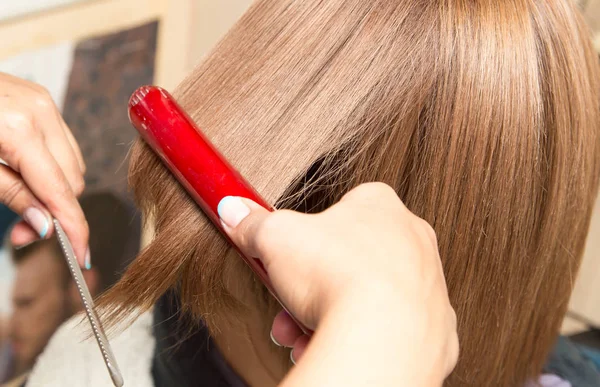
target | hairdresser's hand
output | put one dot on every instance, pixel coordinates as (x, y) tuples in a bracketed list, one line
[(45, 167), (366, 274)]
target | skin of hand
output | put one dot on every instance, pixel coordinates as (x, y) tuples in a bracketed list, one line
[(367, 276), (42, 171)]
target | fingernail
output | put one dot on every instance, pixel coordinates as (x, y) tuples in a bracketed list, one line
[(292, 357), (88, 260), (37, 220), (25, 245), (232, 210), (275, 341)]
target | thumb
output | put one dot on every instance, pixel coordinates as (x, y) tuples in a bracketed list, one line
[(242, 220)]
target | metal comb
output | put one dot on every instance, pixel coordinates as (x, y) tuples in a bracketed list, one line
[(88, 304)]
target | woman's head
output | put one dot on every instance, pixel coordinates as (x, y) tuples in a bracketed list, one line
[(483, 115)]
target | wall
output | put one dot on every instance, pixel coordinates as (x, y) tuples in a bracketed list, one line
[(585, 301), (13, 8)]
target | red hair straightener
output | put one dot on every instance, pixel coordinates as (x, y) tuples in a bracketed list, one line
[(206, 175)]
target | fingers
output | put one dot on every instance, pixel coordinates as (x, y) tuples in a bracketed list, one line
[(17, 196), (258, 232), (65, 156), (299, 348), (75, 146), (48, 121), (285, 331), (243, 220), (35, 143), (22, 234), (47, 182)]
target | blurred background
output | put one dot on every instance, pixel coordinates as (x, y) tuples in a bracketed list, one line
[(91, 55)]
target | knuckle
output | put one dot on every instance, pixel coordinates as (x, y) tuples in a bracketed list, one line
[(74, 216), (78, 186), (378, 189), (375, 191), (369, 188), (20, 123), (85, 230), (433, 236), (265, 228), (453, 317), (271, 226), (243, 235), (426, 229), (8, 152), (13, 190), (63, 193), (43, 99), (383, 189)]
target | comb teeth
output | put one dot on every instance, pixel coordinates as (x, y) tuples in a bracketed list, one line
[(139, 95), (88, 306)]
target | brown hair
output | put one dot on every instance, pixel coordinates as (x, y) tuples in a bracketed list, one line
[(111, 228), (483, 115)]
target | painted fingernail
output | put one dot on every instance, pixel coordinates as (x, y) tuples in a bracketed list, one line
[(292, 357), (25, 245), (37, 220), (232, 210), (88, 260), (275, 341)]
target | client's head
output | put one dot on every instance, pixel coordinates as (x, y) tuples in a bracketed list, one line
[(41, 300), (44, 295), (483, 115)]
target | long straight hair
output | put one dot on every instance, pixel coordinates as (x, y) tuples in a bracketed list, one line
[(483, 115)]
